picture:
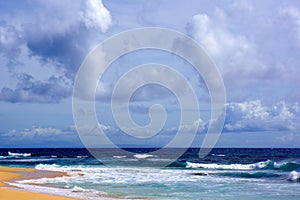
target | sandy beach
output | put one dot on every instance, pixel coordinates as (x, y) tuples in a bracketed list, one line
[(8, 192)]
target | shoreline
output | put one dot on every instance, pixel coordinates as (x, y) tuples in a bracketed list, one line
[(10, 189), (10, 192)]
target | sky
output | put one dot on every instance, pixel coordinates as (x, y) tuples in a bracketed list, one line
[(254, 44)]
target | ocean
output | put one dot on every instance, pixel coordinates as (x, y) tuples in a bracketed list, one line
[(226, 173)]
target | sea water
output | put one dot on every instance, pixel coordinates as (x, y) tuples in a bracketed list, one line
[(223, 174)]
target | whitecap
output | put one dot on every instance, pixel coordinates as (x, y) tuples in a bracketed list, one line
[(81, 156), (120, 156), (52, 167), (294, 176), (19, 154), (258, 165), (141, 156)]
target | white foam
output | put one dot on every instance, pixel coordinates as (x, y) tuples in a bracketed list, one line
[(76, 192), (53, 167), (258, 165), (82, 190), (81, 156), (111, 175), (219, 155), (141, 156), (294, 176), (19, 154), (120, 156)]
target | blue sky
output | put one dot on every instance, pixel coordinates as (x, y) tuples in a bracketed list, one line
[(255, 45)]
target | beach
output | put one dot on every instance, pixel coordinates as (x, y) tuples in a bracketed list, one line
[(8, 192)]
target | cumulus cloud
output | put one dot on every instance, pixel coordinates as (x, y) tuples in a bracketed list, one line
[(253, 116), (96, 15), (50, 35), (221, 43), (250, 49)]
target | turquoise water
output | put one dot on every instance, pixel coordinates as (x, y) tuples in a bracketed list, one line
[(223, 174)]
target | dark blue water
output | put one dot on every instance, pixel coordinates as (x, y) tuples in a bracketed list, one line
[(78, 156)]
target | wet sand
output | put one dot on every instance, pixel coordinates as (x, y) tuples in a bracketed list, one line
[(8, 192)]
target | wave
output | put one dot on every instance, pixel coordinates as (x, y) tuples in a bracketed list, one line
[(76, 192), (120, 156), (283, 166), (141, 156), (81, 156), (177, 165), (218, 155), (88, 191), (286, 166), (19, 154), (294, 176), (258, 165), (49, 167), (251, 175)]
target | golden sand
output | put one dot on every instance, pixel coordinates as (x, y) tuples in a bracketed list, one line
[(12, 193)]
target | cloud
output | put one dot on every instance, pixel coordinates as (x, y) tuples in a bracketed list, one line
[(10, 40), (40, 136), (289, 138), (251, 49), (189, 128), (294, 14), (30, 90), (221, 43), (242, 5), (96, 15), (253, 116), (47, 42), (150, 84)]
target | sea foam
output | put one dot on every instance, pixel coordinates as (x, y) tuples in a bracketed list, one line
[(19, 154), (141, 156), (258, 165), (294, 176)]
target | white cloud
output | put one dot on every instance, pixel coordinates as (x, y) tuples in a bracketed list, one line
[(233, 52), (251, 49), (37, 136), (96, 15), (49, 18), (220, 42), (189, 128), (40, 134), (253, 116)]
